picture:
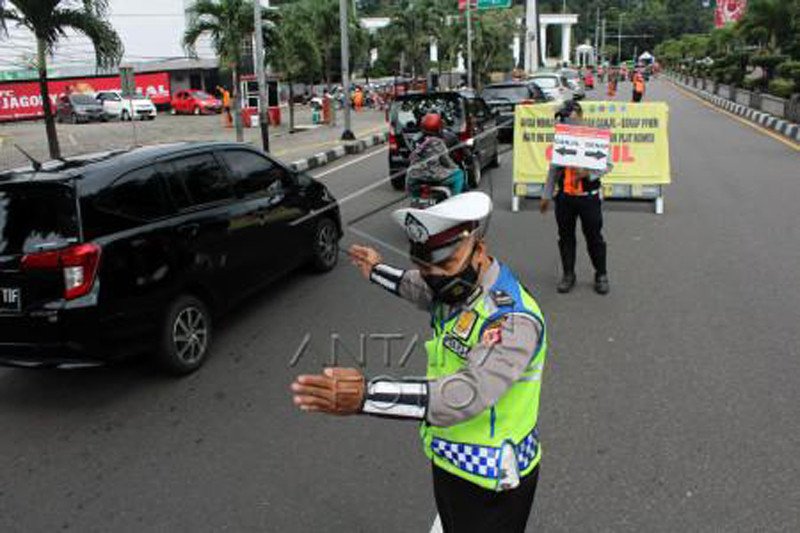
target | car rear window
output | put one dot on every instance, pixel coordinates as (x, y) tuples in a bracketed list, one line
[(512, 93), (36, 217), (546, 82), (83, 99), (407, 112)]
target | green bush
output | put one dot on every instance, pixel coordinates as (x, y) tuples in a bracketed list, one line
[(781, 87), (789, 70), (751, 84)]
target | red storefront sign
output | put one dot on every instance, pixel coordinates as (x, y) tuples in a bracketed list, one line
[(21, 100), (729, 12)]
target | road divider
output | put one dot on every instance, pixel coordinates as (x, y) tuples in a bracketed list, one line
[(348, 148)]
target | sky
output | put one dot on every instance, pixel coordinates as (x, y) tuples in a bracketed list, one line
[(149, 29)]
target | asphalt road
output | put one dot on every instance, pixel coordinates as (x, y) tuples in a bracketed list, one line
[(669, 405)]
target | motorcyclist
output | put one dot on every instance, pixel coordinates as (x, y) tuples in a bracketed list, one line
[(430, 161)]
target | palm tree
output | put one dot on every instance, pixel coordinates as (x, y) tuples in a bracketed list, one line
[(229, 24), (768, 18), (296, 53), (49, 21)]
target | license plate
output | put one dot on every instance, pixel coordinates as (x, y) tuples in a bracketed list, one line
[(10, 299)]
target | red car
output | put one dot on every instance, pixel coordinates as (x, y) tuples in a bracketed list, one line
[(196, 102)]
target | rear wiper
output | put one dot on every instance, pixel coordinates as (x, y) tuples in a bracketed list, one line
[(37, 166)]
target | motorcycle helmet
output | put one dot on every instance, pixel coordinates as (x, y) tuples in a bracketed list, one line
[(431, 124)]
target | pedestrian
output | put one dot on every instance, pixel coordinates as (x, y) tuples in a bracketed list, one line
[(577, 196), (358, 99), (479, 403), (612, 83), (226, 106), (638, 86)]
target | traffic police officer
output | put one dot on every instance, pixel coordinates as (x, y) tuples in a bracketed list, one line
[(577, 195), (479, 404)]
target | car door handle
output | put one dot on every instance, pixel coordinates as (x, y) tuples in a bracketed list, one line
[(189, 230)]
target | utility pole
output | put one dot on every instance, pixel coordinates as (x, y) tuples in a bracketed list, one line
[(263, 104), (531, 36), (619, 40), (469, 43), (597, 38), (603, 43), (347, 134)]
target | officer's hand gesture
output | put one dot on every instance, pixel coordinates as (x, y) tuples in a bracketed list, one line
[(364, 258), (337, 391)]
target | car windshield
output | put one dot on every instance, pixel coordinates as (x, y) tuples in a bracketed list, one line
[(569, 74), (201, 95), (406, 113), (548, 82), (83, 99), (508, 92), (36, 217), (138, 96)]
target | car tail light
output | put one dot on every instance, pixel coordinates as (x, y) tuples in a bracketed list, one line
[(424, 191), (466, 130), (78, 264), (392, 142), (527, 102)]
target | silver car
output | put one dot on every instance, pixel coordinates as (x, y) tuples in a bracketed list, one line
[(553, 85), (575, 82)]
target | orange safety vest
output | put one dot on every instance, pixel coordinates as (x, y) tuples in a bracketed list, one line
[(572, 187), (638, 85)]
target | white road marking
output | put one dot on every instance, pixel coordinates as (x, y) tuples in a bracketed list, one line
[(352, 162), (437, 525)]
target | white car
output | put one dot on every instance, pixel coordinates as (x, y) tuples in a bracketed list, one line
[(553, 85), (573, 78), (117, 106)]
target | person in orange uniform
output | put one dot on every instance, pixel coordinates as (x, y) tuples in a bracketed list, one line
[(577, 195), (226, 106), (638, 86), (358, 99), (612, 83)]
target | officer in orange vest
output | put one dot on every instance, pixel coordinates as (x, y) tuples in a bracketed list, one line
[(638, 86), (577, 195)]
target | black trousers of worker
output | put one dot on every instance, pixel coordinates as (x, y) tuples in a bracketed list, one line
[(467, 508), (589, 209), (637, 96)]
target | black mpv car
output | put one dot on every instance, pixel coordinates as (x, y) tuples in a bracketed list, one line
[(137, 251)]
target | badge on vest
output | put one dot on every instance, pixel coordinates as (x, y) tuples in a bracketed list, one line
[(455, 346), (464, 324), (502, 299)]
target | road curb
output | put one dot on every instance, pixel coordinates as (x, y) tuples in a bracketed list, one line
[(780, 126), (351, 147)]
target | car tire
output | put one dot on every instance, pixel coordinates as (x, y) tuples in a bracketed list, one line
[(172, 111), (325, 245), (475, 173), (73, 118), (185, 336), (196, 110), (124, 115), (151, 117), (399, 182)]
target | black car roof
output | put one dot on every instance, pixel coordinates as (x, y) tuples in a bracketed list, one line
[(92, 166)]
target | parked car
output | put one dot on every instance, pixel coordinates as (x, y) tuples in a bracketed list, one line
[(195, 102), (575, 82), (125, 108), (139, 251), (503, 99), (79, 107), (553, 85), (464, 114)]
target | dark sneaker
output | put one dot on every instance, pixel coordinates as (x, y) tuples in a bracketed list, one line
[(566, 283), (601, 284)]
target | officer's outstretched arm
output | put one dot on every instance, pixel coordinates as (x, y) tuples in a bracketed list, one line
[(407, 284)]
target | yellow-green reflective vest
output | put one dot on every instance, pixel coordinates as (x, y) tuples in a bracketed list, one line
[(472, 449)]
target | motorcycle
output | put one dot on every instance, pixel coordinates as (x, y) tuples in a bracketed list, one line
[(426, 193)]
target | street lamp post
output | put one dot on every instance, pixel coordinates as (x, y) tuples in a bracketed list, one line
[(469, 43), (347, 134), (263, 104)]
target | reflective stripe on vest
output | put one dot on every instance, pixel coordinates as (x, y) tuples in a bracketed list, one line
[(470, 449)]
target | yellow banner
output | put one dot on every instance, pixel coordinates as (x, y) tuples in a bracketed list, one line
[(639, 141)]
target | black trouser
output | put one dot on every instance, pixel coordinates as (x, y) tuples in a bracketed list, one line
[(588, 208), (637, 96), (466, 508)]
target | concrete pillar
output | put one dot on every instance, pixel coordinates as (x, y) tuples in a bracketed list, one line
[(515, 48), (566, 42), (532, 41), (543, 43)]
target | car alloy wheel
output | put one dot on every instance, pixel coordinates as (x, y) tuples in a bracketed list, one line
[(125, 115), (190, 335), (326, 245), (197, 110), (74, 118)]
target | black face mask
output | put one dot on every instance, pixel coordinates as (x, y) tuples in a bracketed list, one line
[(454, 289)]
